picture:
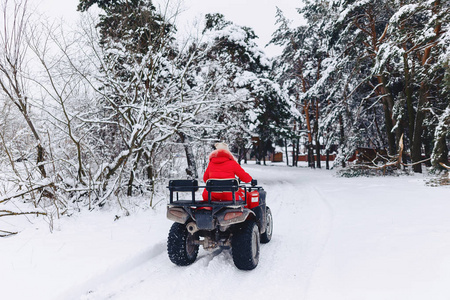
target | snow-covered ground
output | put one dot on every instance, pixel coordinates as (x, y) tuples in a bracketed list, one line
[(334, 238)]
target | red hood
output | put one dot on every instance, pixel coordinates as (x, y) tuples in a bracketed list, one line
[(221, 155)]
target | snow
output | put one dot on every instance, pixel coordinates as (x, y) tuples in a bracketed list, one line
[(350, 8), (402, 12), (334, 238)]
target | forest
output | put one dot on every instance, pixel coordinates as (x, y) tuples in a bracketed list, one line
[(118, 105)]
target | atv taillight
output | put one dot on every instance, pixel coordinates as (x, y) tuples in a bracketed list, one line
[(232, 215), (177, 214)]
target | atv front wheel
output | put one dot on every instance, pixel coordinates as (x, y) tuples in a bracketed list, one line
[(181, 245), (245, 246), (267, 235)]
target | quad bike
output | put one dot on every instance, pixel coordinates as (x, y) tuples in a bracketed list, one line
[(239, 224)]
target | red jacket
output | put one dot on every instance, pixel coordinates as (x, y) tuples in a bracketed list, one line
[(222, 165)]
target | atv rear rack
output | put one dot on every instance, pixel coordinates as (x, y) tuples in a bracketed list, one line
[(212, 186)]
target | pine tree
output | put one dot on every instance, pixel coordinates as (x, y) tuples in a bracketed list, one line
[(245, 88), (382, 63)]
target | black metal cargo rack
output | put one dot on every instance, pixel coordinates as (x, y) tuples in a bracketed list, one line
[(212, 186)]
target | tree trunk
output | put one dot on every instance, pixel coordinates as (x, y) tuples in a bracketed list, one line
[(318, 158), (409, 101), (389, 127), (327, 162), (245, 153), (148, 168), (440, 149), (257, 154), (294, 153), (311, 163), (416, 149), (40, 160), (316, 135), (309, 130), (132, 173), (427, 141), (286, 151), (387, 102), (130, 184), (341, 136), (191, 169), (239, 155), (308, 123)]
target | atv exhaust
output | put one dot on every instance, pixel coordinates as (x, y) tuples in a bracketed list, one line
[(192, 227)]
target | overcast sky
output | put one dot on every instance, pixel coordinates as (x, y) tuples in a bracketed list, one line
[(257, 14)]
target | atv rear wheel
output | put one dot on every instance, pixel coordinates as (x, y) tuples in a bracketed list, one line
[(245, 246), (267, 235), (181, 245)]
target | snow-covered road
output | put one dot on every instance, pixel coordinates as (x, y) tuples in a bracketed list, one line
[(334, 238)]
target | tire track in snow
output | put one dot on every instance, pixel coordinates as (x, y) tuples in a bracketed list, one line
[(208, 256), (326, 228), (112, 273), (303, 221)]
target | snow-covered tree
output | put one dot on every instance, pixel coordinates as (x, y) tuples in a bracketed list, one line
[(415, 41), (244, 88), (13, 70), (383, 61), (301, 71), (145, 99)]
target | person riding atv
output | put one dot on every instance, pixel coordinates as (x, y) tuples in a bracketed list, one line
[(230, 215), (223, 165)]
